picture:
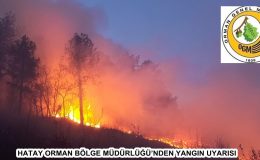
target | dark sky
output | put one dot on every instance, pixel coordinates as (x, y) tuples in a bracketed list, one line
[(163, 29)]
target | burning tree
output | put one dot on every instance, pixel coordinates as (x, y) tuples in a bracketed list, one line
[(63, 87), (81, 55), (22, 66)]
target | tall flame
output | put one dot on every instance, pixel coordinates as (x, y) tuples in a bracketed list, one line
[(73, 114)]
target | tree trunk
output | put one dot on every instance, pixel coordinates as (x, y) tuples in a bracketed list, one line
[(21, 87), (47, 103), (41, 107), (20, 97), (80, 99), (63, 105)]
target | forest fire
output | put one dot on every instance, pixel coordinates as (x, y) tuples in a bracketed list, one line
[(173, 142), (74, 115), (68, 70)]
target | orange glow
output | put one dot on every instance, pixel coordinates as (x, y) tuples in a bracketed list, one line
[(180, 143), (177, 143), (74, 115)]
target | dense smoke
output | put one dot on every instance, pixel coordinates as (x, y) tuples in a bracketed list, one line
[(129, 93), (141, 95)]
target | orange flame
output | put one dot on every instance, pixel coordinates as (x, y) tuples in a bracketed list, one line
[(74, 115)]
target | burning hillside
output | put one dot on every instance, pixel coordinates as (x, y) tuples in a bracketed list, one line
[(56, 64)]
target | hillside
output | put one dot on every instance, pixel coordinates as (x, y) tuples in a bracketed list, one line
[(35, 132)]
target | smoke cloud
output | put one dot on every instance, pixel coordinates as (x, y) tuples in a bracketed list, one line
[(142, 96)]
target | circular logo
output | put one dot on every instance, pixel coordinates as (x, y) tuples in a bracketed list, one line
[(241, 34)]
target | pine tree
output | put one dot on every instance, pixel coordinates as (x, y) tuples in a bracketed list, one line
[(22, 66), (7, 34), (81, 55)]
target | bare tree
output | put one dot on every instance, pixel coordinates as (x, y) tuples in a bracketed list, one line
[(43, 89), (64, 85)]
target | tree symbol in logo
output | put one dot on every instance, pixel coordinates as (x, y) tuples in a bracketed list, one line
[(250, 32)]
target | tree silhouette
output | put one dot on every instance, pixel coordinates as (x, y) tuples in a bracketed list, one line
[(22, 66), (63, 86), (81, 55), (43, 90), (7, 34)]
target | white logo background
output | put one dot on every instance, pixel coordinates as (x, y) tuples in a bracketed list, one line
[(225, 56), (228, 54)]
